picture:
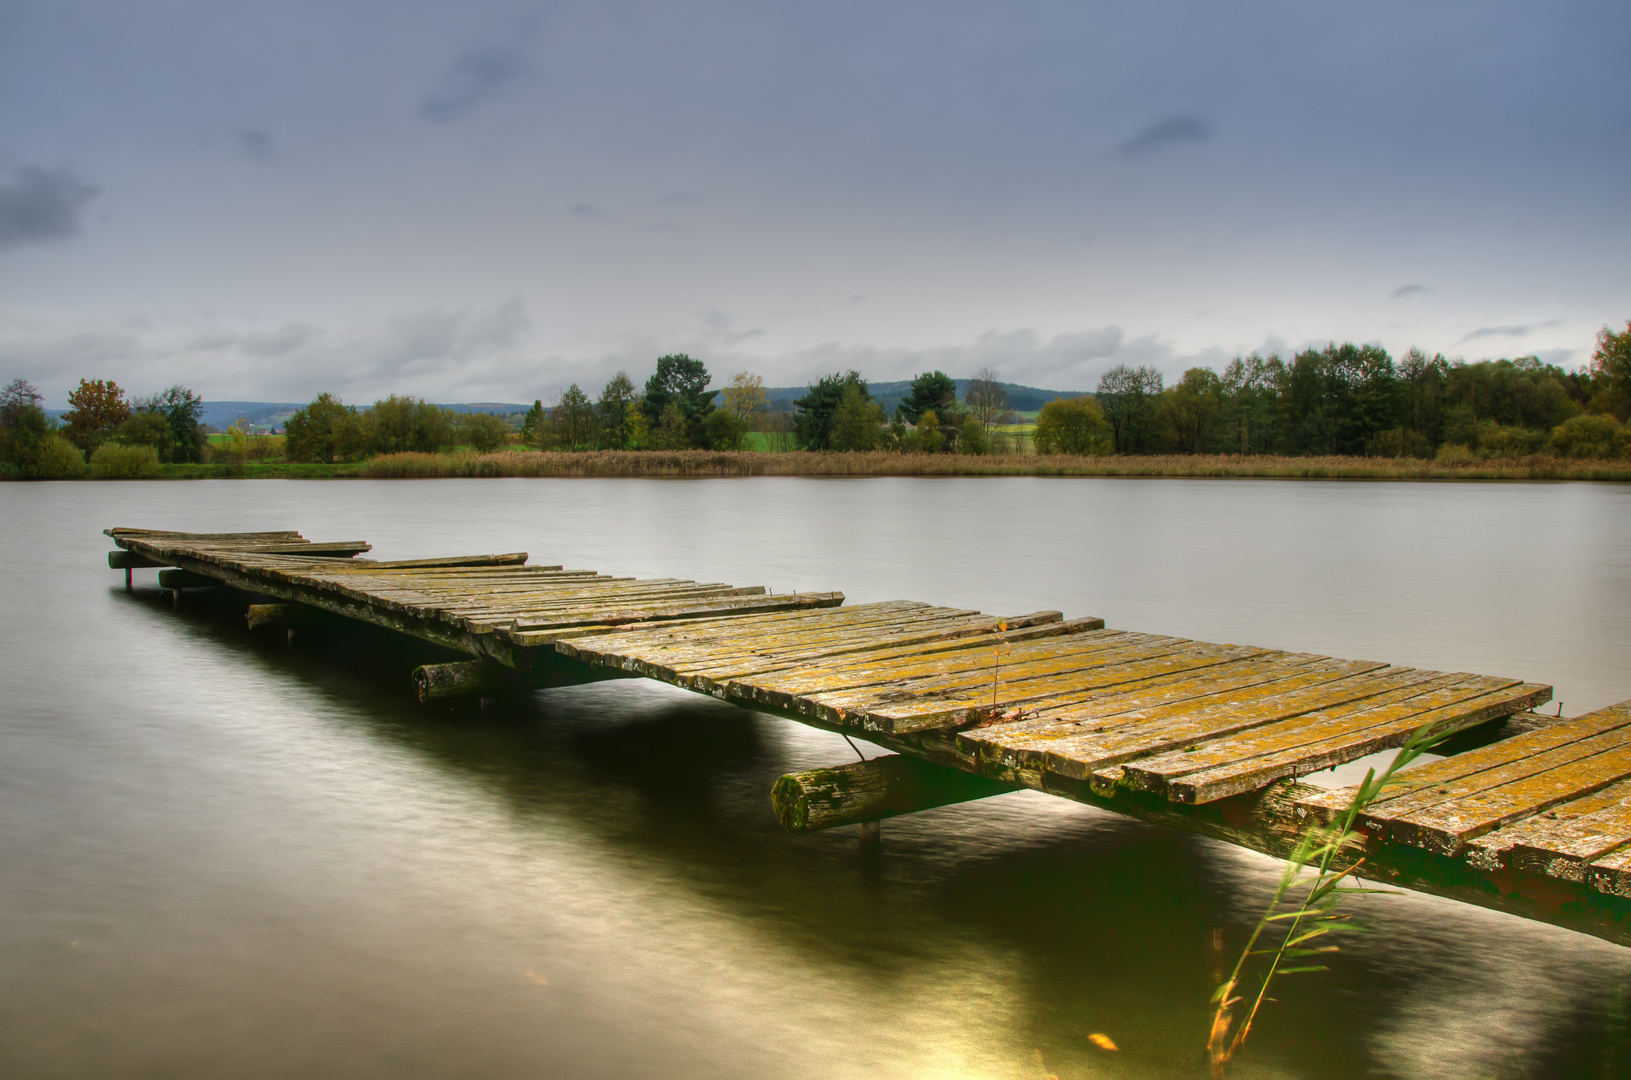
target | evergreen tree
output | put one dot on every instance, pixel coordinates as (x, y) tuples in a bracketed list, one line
[(683, 383)]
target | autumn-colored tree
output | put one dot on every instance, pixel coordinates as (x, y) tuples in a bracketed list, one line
[(1611, 364), (97, 407), (745, 397)]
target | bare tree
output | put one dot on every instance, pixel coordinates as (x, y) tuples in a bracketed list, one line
[(987, 401)]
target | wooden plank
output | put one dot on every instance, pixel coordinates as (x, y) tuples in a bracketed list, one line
[(657, 612), (1559, 842), (856, 673), (1373, 728), (1435, 781), (1078, 751), (513, 558), (1611, 873), (877, 709), (1233, 686), (308, 549), (1511, 794)]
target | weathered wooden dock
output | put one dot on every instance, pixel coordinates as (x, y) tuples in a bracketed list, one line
[(1529, 814)]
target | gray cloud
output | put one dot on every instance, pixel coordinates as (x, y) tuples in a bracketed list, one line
[(40, 205), (1407, 290), (254, 143), (1179, 129), (1516, 330), (470, 80), (586, 210)]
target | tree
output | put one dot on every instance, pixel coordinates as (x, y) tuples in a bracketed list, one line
[(745, 397), (1072, 426), (934, 390), (972, 438), (928, 438), (24, 427), (819, 404), (146, 428), (857, 421), (986, 400), (182, 411), (725, 429), (1127, 396), (535, 428), (399, 424), (683, 383), (1249, 389), (98, 406), (1188, 408), (574, 420), (486, 432), (324, 431), (1611, 365), (612, 413), (672, 431)]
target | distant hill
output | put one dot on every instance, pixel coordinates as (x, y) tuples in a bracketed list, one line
[(889, 394), (222, 414)]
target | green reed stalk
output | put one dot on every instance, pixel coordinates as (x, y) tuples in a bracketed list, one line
[(1314, 916)]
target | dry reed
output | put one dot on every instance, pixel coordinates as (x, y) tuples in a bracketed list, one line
[(706, 463)]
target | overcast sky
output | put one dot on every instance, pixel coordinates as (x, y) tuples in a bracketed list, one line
[(490, 200)]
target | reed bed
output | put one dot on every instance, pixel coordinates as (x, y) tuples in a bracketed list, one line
[(706, 463)]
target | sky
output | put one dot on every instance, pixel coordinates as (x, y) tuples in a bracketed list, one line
[(487, 201)]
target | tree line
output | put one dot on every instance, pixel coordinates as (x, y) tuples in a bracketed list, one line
[(1340, 400), (1357, 400), (102, 421)]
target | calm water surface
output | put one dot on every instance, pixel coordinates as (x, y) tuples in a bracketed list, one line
[(225, 856)]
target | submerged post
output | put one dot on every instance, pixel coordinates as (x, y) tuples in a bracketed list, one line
[(432, 682), (866, 792)]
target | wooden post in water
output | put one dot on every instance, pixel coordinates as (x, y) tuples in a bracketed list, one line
[(128, 561), (866, 792), (259, 615), (433, 682)]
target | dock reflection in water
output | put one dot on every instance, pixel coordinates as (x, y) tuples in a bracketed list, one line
[(223, 855)]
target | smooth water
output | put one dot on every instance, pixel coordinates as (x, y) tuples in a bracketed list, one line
[(221, 855)]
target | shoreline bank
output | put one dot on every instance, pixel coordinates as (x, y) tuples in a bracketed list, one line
[(719, 464)]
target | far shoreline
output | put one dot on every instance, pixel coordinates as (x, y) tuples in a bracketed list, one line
[(699, 464)]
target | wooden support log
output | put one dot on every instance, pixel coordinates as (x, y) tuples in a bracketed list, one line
[(186, 579), (131, 560), (865, 791), (433, 682), (260, 615)]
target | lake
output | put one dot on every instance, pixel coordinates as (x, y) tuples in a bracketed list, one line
[(227, 855)]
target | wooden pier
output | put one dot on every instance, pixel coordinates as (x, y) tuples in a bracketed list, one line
[(1530, 814)]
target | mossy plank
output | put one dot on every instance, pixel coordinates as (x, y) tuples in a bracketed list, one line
[(1561, 840), (1078, 750), (1446, 826), (1436, 781), (1376, 728)]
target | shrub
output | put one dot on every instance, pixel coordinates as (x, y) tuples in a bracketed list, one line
[(115, 461), (1592, 435), (1398, 443), (725, 429), (1455, 454), (1072, 426), (484, 431), (58, 459), (972, 439), (928, 438), (1496, 441)]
